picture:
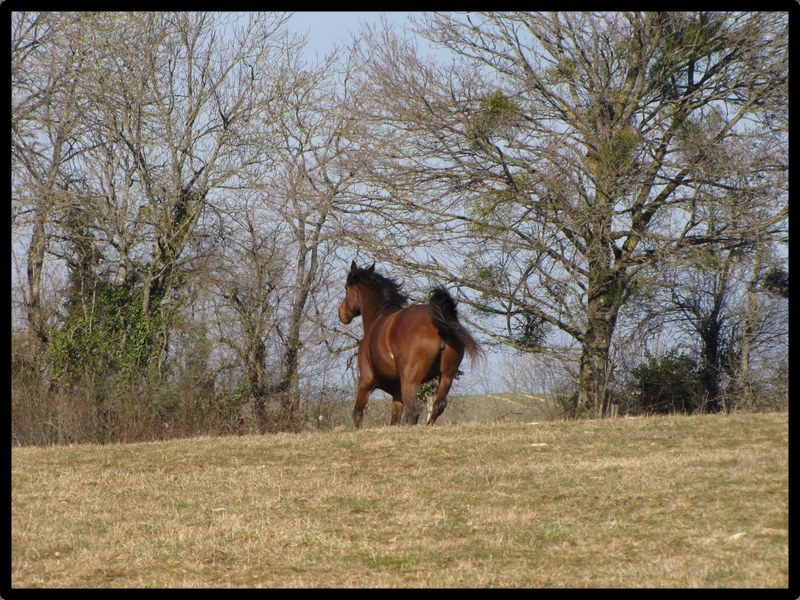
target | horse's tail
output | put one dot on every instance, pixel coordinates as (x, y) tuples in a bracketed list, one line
[(445, 317)]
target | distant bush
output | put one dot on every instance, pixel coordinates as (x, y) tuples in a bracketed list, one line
[(669, 384)]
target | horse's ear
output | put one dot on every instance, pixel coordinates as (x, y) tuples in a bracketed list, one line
[(371, 268), (353, 267)]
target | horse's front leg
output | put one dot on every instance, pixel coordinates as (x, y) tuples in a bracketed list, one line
[(363, 391), (397, 409), (409, 405)]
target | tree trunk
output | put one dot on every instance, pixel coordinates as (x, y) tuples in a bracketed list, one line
[(595, 368), (36, 249), (290, 399), (605, 296)]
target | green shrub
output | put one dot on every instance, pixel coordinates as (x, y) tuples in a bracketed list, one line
[(670, 384)]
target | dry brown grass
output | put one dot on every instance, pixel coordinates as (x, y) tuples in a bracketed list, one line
[(649, 502)]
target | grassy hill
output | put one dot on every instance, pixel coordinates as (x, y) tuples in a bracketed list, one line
[(674, 502), (488, 408)]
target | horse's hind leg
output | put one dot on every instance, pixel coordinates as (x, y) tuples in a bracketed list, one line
[(445, 381), (451, 359)]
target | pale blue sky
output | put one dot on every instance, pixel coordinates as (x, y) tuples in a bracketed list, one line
[(328, 28)]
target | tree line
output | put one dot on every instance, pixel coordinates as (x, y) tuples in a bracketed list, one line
[(607, 192)]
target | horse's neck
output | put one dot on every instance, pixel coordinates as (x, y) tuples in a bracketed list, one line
[(373, 310)]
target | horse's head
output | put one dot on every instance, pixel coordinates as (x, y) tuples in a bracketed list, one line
[(350, 307)]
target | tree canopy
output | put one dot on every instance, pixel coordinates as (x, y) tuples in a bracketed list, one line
[(185, 201)]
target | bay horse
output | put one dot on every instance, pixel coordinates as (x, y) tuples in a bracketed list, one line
[(403, 346)]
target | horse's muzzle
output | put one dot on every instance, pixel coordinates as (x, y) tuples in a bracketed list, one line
[(345, 316)]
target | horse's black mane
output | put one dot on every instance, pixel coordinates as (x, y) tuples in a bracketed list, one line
[(388, 287)]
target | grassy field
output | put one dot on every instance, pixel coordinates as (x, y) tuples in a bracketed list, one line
[(491, 408), (672, 502)]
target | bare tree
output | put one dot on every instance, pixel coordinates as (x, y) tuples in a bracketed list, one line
[(244, 284), (183, 188), (46, 122), (276, 258), (558, 156), (312, 175), (132, 147), (717, 309)]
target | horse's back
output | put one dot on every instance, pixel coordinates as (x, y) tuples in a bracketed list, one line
[(412, 328)]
